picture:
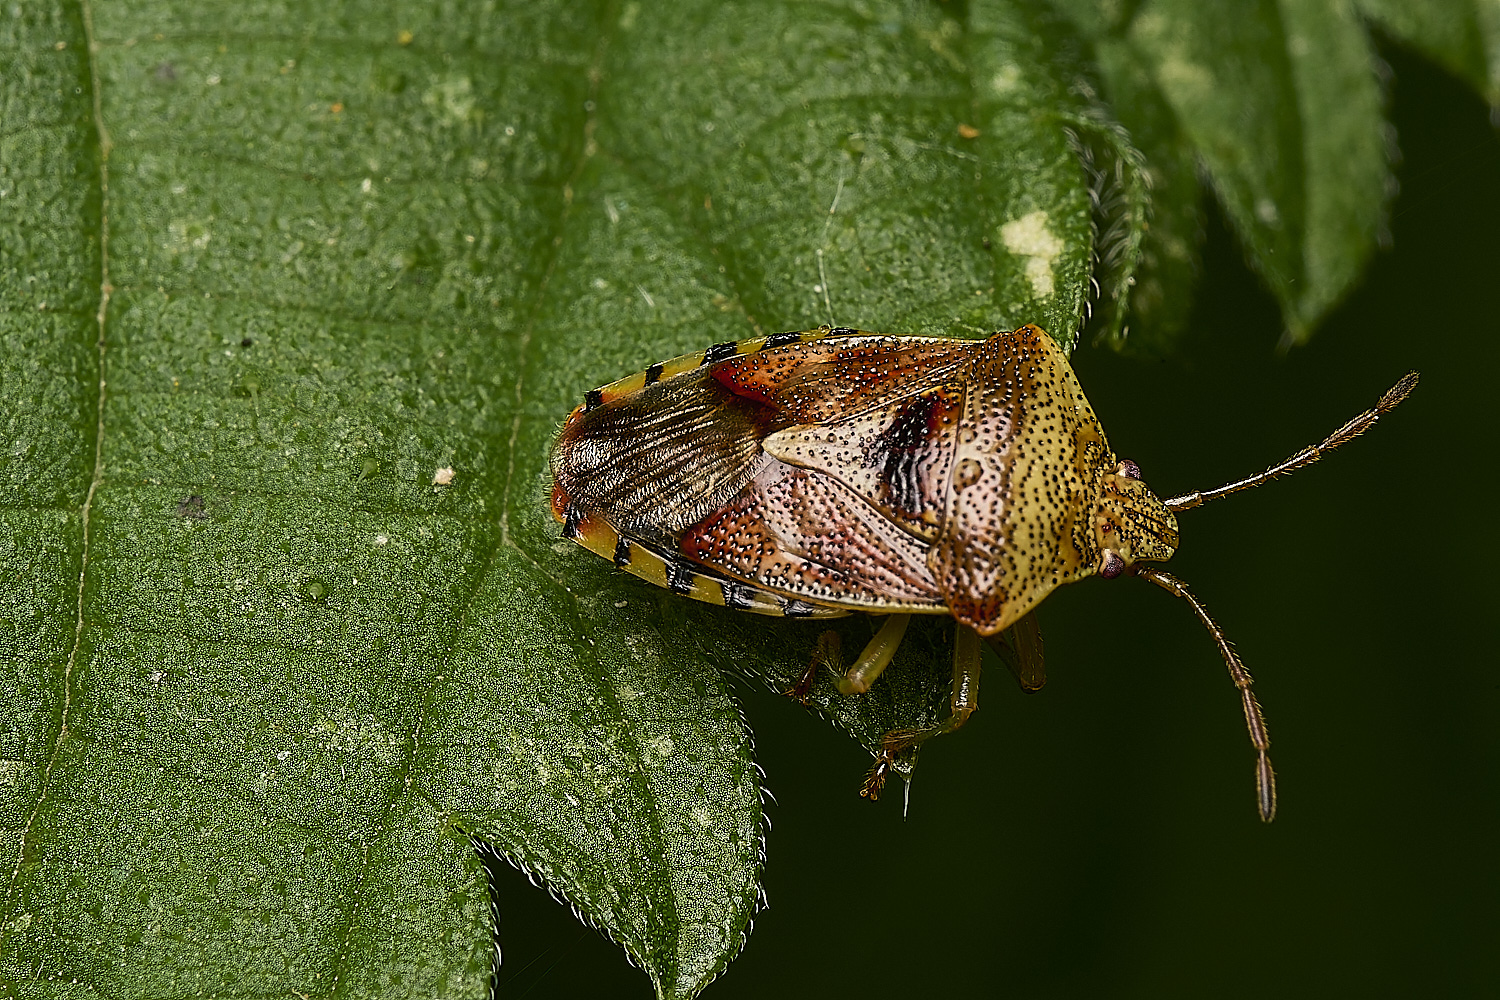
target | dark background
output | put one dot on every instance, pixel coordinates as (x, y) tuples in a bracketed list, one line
[(1099, 839)]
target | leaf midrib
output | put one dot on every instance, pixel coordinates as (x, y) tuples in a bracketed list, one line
[(666, 964), (101, 135), (407, 777)]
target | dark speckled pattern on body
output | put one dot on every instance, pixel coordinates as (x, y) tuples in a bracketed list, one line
[(834, 471)]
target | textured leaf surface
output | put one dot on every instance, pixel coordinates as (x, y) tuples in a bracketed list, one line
[(1279, 103), (1462, 35), (293, 298), (1282, 108)]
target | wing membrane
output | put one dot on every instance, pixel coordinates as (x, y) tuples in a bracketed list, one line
[(802, 533)]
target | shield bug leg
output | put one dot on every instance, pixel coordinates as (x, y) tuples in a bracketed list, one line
[(876, 657), (825, 654), (1307, 456), (875, 780), (1255, 721), (1020, 649), (965, 701)]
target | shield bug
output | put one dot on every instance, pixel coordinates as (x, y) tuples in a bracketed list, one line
[(815, 474)]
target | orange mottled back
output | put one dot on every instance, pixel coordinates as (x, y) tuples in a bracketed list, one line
[(835, 471)]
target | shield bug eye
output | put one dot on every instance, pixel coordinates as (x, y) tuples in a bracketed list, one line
[(1129, 469), (1113, 565)]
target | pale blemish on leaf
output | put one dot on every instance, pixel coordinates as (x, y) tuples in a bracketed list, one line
[(660, 749), (1006, 79), (185, 234), (1029, 237), (1183, 80), (943, 40), (14, 772), (359, 735), (443, 476), (451, 98)]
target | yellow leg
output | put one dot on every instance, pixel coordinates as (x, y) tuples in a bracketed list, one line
[(965, 700), (1020, 649), (876, 657)]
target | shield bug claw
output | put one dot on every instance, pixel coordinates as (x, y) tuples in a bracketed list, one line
[(820, 473), (874, 782)]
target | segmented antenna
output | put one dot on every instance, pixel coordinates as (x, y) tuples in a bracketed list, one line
[(1307, 456)]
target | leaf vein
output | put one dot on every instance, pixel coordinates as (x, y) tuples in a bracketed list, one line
[(102, 137)]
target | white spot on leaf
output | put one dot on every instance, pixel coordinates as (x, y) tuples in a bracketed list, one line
[(452, 98), (1029, 237), (660, 749), (186, 234), (1182, 79), (1007, 79)]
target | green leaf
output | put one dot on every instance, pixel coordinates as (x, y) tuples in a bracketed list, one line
[(1462, 35), (293, 300), (1158, 301), (1278, 102), (1282, 108), (269, 274)]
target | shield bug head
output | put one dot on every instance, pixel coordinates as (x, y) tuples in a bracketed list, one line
[(1131, 524), (815, 474)]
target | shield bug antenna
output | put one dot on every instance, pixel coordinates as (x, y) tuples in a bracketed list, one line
[(1307, 456), (1255, 722)]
